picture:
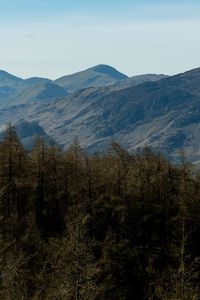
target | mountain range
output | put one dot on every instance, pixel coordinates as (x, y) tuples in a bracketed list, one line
[(101, 105)]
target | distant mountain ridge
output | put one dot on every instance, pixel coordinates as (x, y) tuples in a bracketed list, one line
[(139, 79), (100, 105), (98, 76), (15, 90), (5, 76), (28, 132)]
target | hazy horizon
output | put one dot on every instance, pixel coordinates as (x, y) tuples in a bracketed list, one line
[(68, 74), (54, 38)]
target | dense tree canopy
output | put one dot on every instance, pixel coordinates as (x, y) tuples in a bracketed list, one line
[(114, 226)]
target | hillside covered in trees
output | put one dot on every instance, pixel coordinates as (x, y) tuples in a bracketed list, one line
[(117, 226)]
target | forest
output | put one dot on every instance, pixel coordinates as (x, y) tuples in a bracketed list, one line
[(112, 226)]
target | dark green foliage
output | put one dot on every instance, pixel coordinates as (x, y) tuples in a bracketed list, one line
[(118, 226)]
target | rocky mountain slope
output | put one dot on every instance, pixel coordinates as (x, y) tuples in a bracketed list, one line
[(98, 76), (161, 112), (136, 80)]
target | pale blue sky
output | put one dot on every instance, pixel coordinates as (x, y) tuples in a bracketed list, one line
[(55, 37)]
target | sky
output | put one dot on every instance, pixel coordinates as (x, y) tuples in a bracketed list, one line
[(52, 38)]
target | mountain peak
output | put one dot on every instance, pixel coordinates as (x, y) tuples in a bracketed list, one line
[(97, 76), (102, 68), (6, 75), (108, 70), (37, 80)]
